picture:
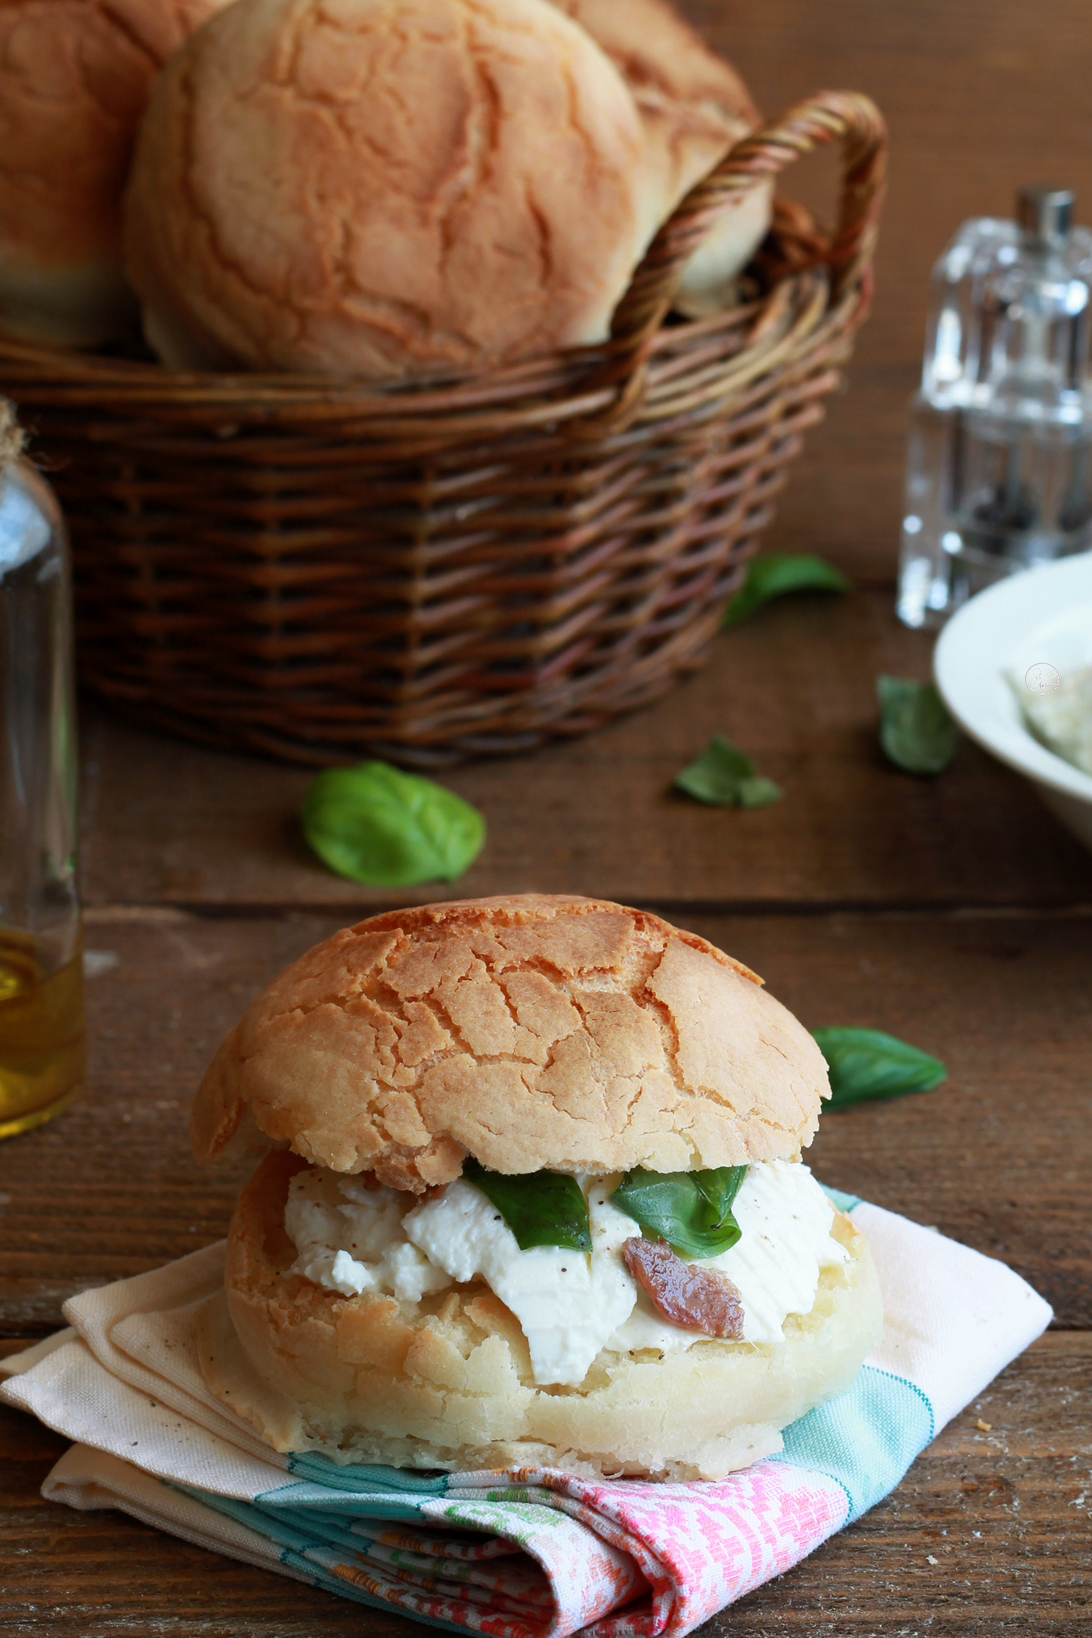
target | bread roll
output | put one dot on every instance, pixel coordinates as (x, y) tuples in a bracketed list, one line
[(74, 80), (382, 1304), (694, 108), (530, 1031), (383, 187)]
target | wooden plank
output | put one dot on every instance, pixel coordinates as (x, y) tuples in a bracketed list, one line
[(988, 1534), (169, 823), (999, 1157)]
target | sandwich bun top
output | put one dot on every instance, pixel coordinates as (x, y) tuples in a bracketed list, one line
[(381, 187), (531, 1032), (74, 80)]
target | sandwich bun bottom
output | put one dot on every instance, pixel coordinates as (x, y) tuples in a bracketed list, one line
[(447, 1382)]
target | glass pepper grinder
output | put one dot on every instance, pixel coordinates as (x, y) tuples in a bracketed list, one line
[(1026, 495), (41, 958), (998, 469), (934, 455)]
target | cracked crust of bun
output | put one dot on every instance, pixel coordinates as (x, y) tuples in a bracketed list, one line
[(693, 104), (529, 1031), (383, 187), (694, 107), (75, 76), (447, 1383)]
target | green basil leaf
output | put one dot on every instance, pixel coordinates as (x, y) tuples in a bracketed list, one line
[(378, 825), (916, 732), (773, 574), (692, 1211), (541, 1208), (726, 777), (720, 1185), (866, 1063), (758, 792)]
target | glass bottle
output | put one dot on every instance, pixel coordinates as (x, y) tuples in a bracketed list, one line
[(41, 966)]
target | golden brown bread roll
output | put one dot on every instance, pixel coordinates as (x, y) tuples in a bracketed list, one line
[(382, 1301), (74, 80), (531, 1031), (381, 187), (694, 107)]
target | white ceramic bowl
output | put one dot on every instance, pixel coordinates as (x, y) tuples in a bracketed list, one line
[(1042, 617)]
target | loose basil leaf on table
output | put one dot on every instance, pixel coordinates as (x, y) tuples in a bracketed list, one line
[(773, 575), (866, 1063), (541, 1208), (725, 777), (692, 1211), (916, 732), (386, 828)]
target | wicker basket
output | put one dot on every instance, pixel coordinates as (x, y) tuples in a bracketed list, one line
[(316, 570)]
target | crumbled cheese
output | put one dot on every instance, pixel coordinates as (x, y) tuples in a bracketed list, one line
[(350, 1237), (354, 1239)]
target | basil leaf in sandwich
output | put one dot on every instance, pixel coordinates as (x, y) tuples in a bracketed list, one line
[(541, 1208), (692, 1211)]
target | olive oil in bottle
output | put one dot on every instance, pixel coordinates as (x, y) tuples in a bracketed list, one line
[(41, 964), (41, 1033)]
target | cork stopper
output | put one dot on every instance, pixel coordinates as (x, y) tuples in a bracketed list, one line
[(12, 437)]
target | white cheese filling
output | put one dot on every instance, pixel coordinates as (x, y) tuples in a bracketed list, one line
[(353, 1238), (567, 1302), (350, 1238)]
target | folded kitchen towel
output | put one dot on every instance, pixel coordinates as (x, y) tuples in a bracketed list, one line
[(533, 1553)]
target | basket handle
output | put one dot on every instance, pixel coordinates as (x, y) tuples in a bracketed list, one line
[(830, 116)]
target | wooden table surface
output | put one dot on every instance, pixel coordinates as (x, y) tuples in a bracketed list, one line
[(953, 912)]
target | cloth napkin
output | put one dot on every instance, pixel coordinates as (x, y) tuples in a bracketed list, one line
[(533, 1553)]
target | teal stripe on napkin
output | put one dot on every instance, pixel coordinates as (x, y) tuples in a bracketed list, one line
[(839, 1199), (362, 1479), (865, 1439), (311, 1551), (403, 1504)]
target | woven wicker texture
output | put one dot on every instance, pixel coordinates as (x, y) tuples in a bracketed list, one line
[(317, 570)]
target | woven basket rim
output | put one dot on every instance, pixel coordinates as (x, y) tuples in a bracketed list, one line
[(570, 371), (570, 382)]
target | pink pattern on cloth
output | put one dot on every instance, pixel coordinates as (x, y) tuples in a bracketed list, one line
[(582, 1575), (664, 1557), (702, 1546)]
